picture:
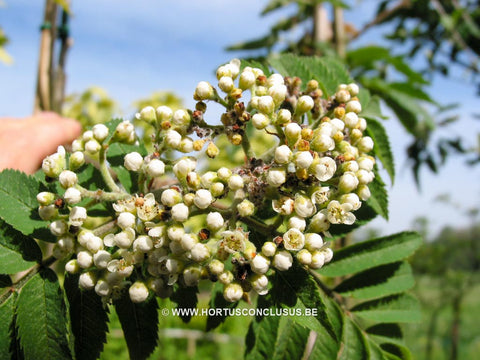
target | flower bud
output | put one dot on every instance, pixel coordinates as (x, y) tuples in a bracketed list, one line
[(45, 198), (181, 118), (348, 182), (328, 254), (322, 143), (100, 132), (259, 284), (76, 160), (260, 121), (101, 259), (269, 248), (94, 244), (84, 259), (72, 267), (235, 182), (203, 199), (78, 215), (293, 132), (212, 150), (48, 212), (216, 267), (260, 264), (54, 164), (275, 79), (124, 239), (233, 292), (92, 147), (283, 154), (266, 104), (183, 167), (318, 259), (170, 197), (284, 116), (324, 169), (246, 208), (303, 206), (173, 139), (365, 144), (138, 292), (155, 168), (125, 131), (282, 260), (191, 275), (77, 145), (276, 177), (87, 280), (214, 221), (342, 96), (226, 84), (126, 220), (247, 79), (304, 257), (351, 119), (217, 189), (296, 222), (186, 145), (133, 161), (305, 103), (103, 288), (67, 179), (204, 91), (188, 241), (164, 113), (224, 174), (200, 252), (72, 196), (278, 93), (353, 106), (303, 159), (363, 192), (180, 212), (313, 241), (319, 222), (352, 199), (353, 89)]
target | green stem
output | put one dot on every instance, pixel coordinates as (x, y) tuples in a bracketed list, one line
[(105, 228), (247, 148), (100, 195), (105, 171)]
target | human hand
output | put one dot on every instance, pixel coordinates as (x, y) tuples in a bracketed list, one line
[(25, 142)]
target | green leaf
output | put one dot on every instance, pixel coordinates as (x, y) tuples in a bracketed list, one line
[(18, 203), (17, 251), (139, 324), (378, 199), (88, 318), (41, 318), (327, 71), (370, 106), (261, 336), (128, 179), (375, 351), (400, 351), (217, 301), (382, 148), (378, 282), (5, 280), (354, 343), (7, 325), (372, 253), (296, 288), (291, 341), (395, 308), (91, 178), (325, 347), (186, 298), (392, 330)]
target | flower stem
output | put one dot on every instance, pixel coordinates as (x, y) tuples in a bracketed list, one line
[(100, 195), (105, 171)]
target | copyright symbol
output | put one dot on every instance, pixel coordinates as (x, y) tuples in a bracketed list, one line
[(165, 312)]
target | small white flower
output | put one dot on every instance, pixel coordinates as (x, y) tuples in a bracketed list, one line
[(126, 220), (164, 113), (304, 257), (338, 125), (269, 248), (305, 103), (149, 209), (353, 89), (232, 292), (259, 284), (173, 139), (175, 232), (303, 206), (84, 259), (54, 164), (247, 79), (215, 221), (283, 206), (173, 266), (293, 132), (283, 154), (77, 145), (318, 260), (235, 182), (101, 259), (352, 199), (49, 212), (45, 198), (76, 160), (92, 147), (260, 121), (94, 244), (226, 84), (319, 222), (340, 213), (103, 288), (313, 241), (363, 192), (138, 292), (191, 275), (275, 79), (180, 212), (125, 131), (351, 119), (293, 240), (323, 142), (233, 241), (246, 208), (353, 106), (125, 238), (67, 179), (328, 254), (321, 195), (284, 116), (224, 173), (186, 145), (342, 96), (362, 124), (203, 199), (72, 267), (296, 222), (217, 189), (216, 267), (183, 167), (259, 264), (348, 182), (188, 241), (324, 169), (155, 168), (143, 243), (276, 177), (225, 277), (365, 144), (204, 91), (200, 252), (78, 215), (72, 196), (58, 227), (87, 280), (181, 118), (282, 260), (278, 92), (266, 105), (100, 132), (170, 197), (133, 161), (303, 159)]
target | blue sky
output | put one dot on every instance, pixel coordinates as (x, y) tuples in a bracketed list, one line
[(135, 48)]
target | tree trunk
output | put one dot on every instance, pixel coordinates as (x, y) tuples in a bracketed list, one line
[(455, 329)]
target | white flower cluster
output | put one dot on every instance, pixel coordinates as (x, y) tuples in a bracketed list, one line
[(316, 175)]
